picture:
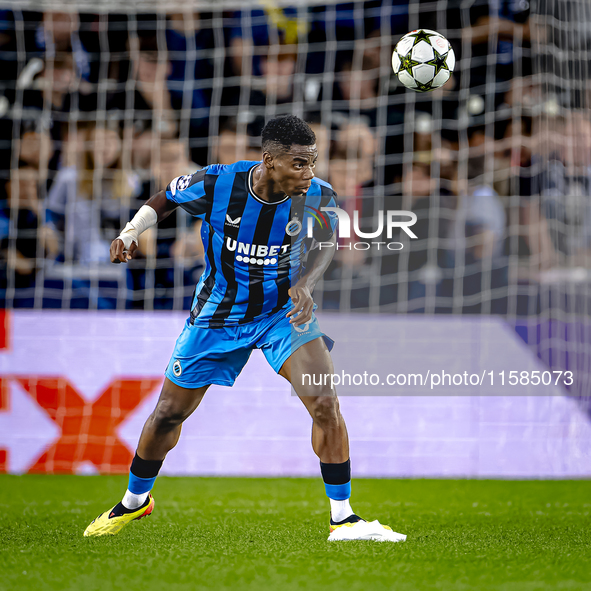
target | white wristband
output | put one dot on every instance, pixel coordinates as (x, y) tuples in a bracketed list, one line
[(145, 218)]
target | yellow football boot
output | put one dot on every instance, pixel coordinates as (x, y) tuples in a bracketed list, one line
[(113, 521)]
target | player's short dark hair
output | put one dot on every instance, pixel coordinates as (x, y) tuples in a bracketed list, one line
[(283, 132)]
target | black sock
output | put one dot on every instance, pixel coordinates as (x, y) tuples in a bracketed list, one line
[(336, 473), (145, 468)]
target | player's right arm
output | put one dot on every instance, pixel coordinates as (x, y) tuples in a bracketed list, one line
[(153, 211), (186, 191)]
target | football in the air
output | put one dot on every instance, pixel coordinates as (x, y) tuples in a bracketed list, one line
[(423, 60)]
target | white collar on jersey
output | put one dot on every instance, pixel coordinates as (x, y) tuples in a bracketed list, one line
[(251, 190)]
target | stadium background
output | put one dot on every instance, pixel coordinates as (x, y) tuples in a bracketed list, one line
[(101, 109)]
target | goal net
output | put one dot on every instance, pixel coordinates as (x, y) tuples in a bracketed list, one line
[(101, 106)]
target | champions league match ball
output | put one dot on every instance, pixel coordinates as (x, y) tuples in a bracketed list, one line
[(423, 60)]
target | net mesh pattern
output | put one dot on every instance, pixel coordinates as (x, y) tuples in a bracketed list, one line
[(101, 110)]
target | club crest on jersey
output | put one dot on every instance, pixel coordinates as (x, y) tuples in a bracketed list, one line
[(294, 227), (177, 369), (234, 223)]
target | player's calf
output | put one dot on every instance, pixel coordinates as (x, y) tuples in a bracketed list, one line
[(163, 428)]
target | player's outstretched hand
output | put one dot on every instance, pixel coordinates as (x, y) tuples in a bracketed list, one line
[(118, 252), (303, 304)]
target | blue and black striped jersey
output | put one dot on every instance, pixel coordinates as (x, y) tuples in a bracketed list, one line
[(254, 250)]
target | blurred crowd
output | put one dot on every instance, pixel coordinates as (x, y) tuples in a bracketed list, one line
[(98, 112)]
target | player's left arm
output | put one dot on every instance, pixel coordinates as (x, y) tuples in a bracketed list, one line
[(318, 261), (301, 292)]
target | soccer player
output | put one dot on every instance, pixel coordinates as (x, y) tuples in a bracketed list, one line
[(255, 292)]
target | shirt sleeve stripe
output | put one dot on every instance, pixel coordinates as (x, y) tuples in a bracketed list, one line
[(194, 199)]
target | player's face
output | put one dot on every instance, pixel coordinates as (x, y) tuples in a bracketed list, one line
[(294, 169)]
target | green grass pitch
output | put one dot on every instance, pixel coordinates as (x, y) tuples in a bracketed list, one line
[(270, 534)]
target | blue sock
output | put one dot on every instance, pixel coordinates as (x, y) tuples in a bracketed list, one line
[(139, 486), (142, 476)]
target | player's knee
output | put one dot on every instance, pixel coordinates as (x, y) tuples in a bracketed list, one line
[(325, 410), (167, 416)]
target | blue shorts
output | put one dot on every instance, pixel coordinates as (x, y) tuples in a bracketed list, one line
[(204, 356)]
